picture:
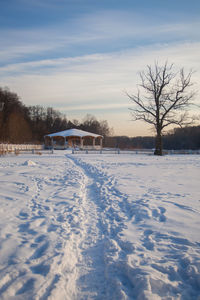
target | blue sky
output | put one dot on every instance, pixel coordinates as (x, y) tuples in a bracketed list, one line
[(81, 56)]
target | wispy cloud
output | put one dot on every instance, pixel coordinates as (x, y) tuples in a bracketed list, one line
[(100, 32), (100, 77)]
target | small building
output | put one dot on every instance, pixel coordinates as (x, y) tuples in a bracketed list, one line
[(73, 138)]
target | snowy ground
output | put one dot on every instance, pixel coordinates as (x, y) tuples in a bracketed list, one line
[(99, 226)]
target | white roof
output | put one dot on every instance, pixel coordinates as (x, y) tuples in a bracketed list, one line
[(74, 132)]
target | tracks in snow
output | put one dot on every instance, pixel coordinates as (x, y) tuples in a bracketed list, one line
[(103, 251), (65, 234), (61, 236), (114, 274)]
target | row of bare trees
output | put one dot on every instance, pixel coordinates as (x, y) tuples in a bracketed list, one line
[(22, 124)]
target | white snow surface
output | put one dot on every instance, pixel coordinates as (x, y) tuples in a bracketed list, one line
[(29, 163), (74, 132), (99, 226)]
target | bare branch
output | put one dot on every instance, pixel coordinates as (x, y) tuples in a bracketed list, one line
[(166, 93), (138, 101)]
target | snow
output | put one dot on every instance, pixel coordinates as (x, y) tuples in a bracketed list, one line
[(29, 163), (99, 226), (74, 132)]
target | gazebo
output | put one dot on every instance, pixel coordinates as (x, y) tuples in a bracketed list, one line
[(73, 138)]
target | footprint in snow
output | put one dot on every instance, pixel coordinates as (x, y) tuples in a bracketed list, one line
[(41, 269), (159, 214), (148, 242), (23, 215), (28, 286), (40, 251), (52, 227), (24, 228), (40, 238)]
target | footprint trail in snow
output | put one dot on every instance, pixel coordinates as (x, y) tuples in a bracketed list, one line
[(99, 227)]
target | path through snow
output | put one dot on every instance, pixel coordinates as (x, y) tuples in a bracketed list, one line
[(99, 227)]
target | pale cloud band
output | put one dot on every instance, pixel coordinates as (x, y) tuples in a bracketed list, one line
[(103, 29)]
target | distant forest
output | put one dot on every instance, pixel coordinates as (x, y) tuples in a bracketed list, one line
[(25, 124), (179, 138), (29, 124)]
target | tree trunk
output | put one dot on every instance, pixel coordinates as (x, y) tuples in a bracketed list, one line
[(158, 148)]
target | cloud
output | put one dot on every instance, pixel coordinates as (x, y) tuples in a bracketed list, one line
[(103, 31), (80, 107), (186, 53), (100, 78)]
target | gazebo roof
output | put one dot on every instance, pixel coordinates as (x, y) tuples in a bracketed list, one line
[(74, 132)]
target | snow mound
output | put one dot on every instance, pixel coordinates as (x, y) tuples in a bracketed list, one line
[(29, 163)]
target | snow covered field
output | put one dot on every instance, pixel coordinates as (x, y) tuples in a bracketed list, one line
[(99, 226)]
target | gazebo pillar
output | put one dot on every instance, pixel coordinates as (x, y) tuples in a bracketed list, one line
[(45, 141), (81, 142), (64, 142), (51, 142), (101, 142), (93, 142)]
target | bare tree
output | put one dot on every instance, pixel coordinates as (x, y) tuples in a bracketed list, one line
[(166, 98)]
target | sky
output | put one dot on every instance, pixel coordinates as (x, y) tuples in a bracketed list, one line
[(82, 56)]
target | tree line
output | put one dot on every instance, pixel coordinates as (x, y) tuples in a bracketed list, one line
[(178, 139), (22, 124)]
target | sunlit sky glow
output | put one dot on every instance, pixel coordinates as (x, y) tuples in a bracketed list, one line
[(81, 56)]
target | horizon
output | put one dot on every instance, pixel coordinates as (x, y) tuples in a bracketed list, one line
[(81, 58)]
